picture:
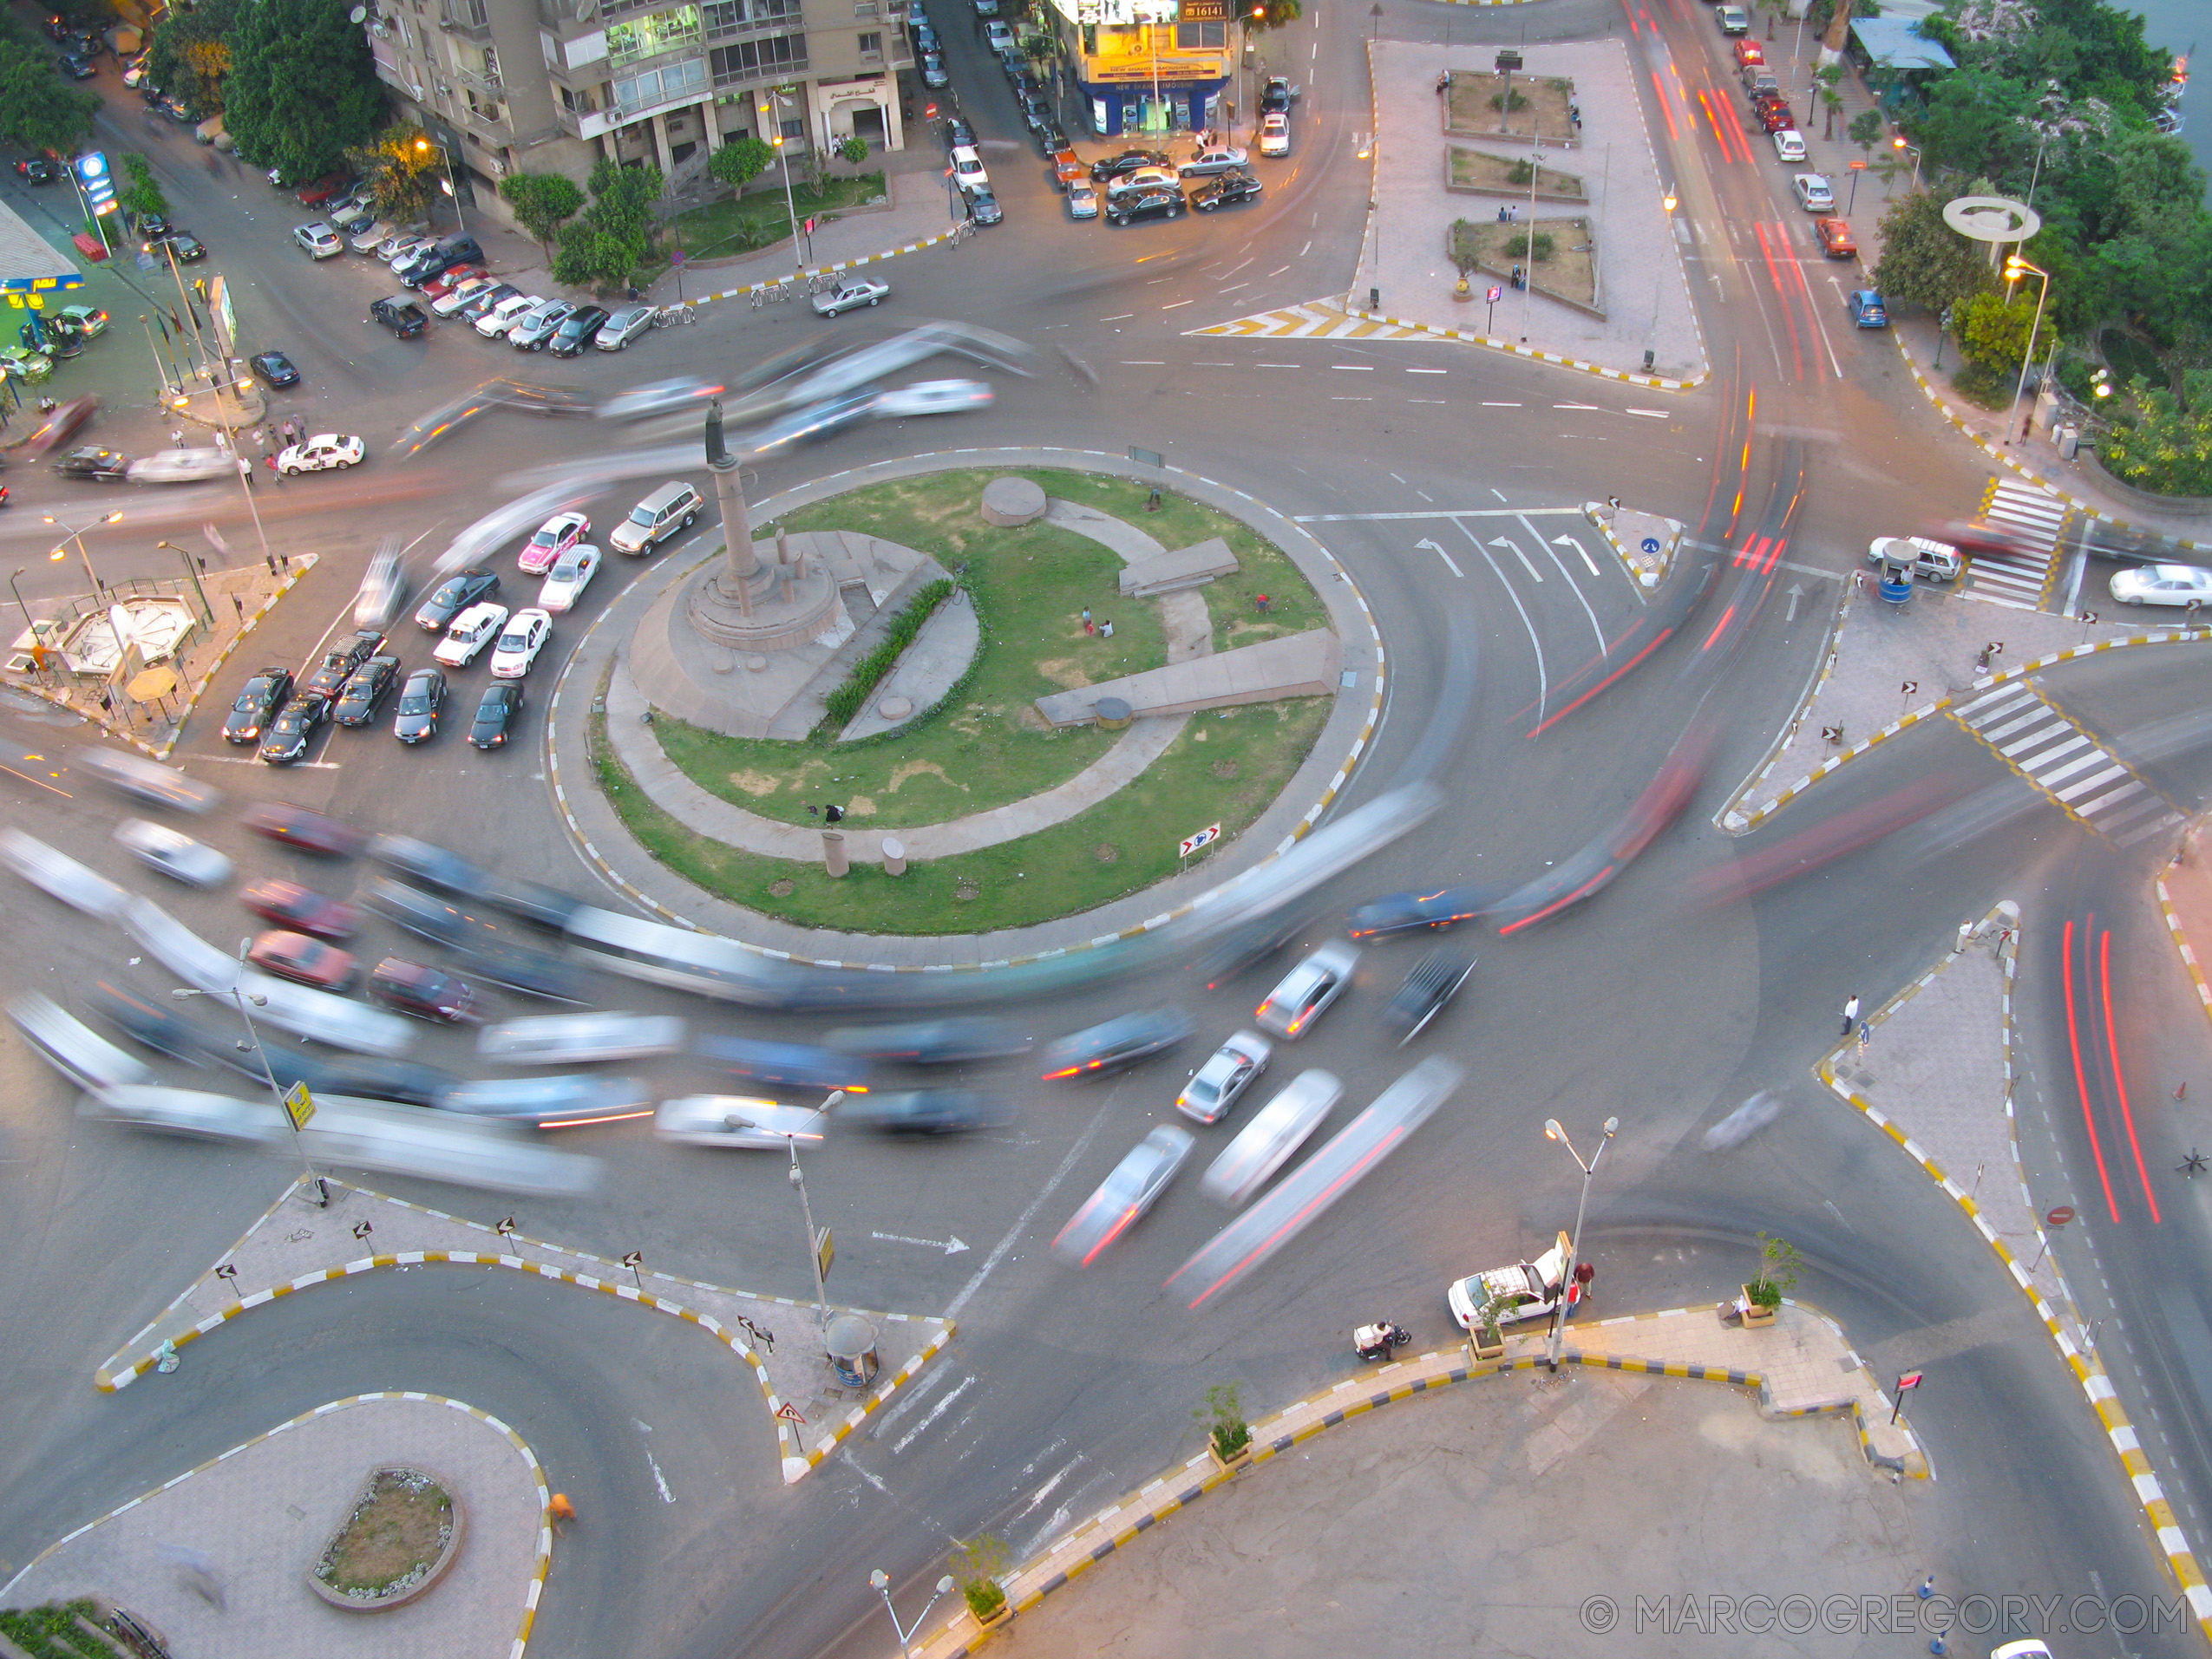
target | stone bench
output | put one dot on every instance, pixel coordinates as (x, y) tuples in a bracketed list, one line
[(1189, 567)]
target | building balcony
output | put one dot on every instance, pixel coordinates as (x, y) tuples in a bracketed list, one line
[(489, 84), (468, 21)]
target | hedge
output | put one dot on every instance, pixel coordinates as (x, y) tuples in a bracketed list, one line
[(852, 697)]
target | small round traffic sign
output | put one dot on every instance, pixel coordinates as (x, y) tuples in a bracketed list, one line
[(1650, 543), (2061, 1216)]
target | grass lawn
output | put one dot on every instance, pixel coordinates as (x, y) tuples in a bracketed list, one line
[(1568, 271), (1539, 103), (1229, 764), (990, 746), (735, 224), (1481, 169)]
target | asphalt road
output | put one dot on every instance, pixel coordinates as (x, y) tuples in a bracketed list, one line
[(1065, 1388)]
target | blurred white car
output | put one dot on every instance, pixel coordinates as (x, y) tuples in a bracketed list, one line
[(572, 573), (737, 1122), (526, 635), (1277, 1130), (135, 775), (470, 632), (381, 588), (934, 397), (325, 452), (556, 1039), (1123, 1196), (658, 397), (195, 1113), (1220, 1082), (55, 872), (173, 854), (2182, 584), (1307, 990), (182, 467)]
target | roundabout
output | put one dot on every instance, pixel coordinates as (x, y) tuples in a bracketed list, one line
[(1119, 667)]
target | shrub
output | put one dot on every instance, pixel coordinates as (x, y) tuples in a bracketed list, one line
[(1979, 383), (977, 1564), (1497, 100), (849, 698), (1778, 1264), (2168, 450), (1223, 1415)]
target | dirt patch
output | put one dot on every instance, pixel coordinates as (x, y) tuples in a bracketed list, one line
[(1540, 104), (395, 1536), (1105, 853), (1223, 769), (1064, 672), (1483, 170), (756, 784), (1566, 262), (906, 769), (783, 888), (1030, 720), (860, 806), (1253, 632)]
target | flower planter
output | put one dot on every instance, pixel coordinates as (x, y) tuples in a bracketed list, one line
[(1758, 1314), (1005, 1610), (1230, 1464), (399, 1537), (1490, 1349)]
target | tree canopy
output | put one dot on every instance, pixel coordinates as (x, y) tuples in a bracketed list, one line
[(301, 91), (741, 160), (189, 55), (402, 169), (603, 246), (543, 202), (38, 109)]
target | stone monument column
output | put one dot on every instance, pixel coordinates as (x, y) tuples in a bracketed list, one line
[(738, 557)]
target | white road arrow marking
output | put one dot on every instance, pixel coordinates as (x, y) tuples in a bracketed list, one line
[(1796, 593), (1569, 541), (952, 1246), (1508, 541), (1442, 554)]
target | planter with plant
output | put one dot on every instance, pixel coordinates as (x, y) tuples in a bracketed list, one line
[(975, 1567), (1228, 1437), (1486, 1336), (1778, 1264), (1466, 257)]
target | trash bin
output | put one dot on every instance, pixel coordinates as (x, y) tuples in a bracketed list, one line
[(2069, 439), (851, 1341)]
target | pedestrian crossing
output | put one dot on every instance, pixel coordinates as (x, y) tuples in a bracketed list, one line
[(2067, 764), (2036, 516), (1318, 319)]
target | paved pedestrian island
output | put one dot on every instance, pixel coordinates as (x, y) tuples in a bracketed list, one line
[(215, 1559), (295, 1246)]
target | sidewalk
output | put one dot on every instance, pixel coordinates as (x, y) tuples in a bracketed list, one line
[(1800, 1366), (918, 216), (260, 1513), (294, 1246), (2185, 896)]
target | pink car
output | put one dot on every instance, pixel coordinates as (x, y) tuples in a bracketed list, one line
[(555, 537)]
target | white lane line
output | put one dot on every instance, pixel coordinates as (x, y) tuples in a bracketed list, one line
[(1354, 367), (1123, 317), (1212, 365), (1649, 415), (1278, 365), (1543, 682), (1273, 274), (1440, 402), (1488, 405), (1021, 1222), (660, 1480), (1143, 362), (1526, 564), (1425, 496), (1428, 371), (936, 1412), (1174, 305), (1569, 575), (1399, 479), (1233, 287), (1351, 399), (1307, 249), (1232, 271), (1496, 490)]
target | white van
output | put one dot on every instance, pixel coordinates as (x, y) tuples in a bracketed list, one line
[(1276, 1131), (79, 1053)]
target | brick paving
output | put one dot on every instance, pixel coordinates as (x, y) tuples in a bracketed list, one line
[(295, 1246), (261, 1513)]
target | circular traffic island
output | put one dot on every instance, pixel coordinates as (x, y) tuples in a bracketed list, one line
[(1123, 669)]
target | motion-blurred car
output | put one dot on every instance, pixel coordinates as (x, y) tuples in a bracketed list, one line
[(658, 397), (100, 465), (1116, 1042), (1225, 191), (624, 326), (62, 423), (924, 1112), (552, 1102), (257, 705), (1215, 1088), (853, 292), (424, 992), (383, 585), (1405, 912), (1979, 535), (1123, 1196), (1521, 1291), (1220, 158), (2181, 585), (494, 715), (454, 595), (182, 467), (949, 1041), (172, 852), (471, 631), (1276, 1131), (553, 537), (933, 397), (1933, 561), (576, 330), (324, 452), (428, 864), (519, 642), (736, 1122), (144, 780), (785, 1065), (302, 909), (1436, 979), (302, 827), (556, 1039), (306, 960), (571, 574), (292, 731), (1307, 990), (421, 701)]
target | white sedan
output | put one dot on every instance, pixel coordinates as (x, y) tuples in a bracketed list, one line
[(968, 168), (1510, 1295), (470, 632), (1274, 134), (446, 303), (192, 862), (853, 292), (324, 452), (571, 575), (1223, 159), (2182, 584), (526, 635), (738, 1122), (934, 397), (1217, 1085), (555, 537), (182, 467)]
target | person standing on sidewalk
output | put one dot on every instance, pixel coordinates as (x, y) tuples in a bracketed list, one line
[(1850, 1012)]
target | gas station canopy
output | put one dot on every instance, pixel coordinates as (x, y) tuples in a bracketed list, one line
[(29, 263)]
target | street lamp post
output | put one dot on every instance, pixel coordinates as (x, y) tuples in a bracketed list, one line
[(1553, 1132), (2015, 268), (783, 155), (1899, 142), (1669, 201), (1528, 270), (206, 611), (814, 1239), (452, 188), (254, 1042), (29, 627), (881, 1580), (77, 533)]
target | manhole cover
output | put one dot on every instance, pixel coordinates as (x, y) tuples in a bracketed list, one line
[(967, 891), (894, 707)]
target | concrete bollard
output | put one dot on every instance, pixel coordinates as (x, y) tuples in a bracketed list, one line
[(894, 856), (833, 852)]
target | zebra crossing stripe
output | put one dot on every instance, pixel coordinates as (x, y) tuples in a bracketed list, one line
[(1315, 320), (2024, 580), (2047, 747)]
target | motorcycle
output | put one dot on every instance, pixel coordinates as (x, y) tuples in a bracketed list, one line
[(1374, 1342)]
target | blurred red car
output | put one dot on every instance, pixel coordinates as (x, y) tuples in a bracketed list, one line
[(424, 992), (289, 905), (1974, 536), (311, 831), (294, 956), (60, 426)]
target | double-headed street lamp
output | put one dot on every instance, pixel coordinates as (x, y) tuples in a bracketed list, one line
[(2015, 268), (881, 1580), (76, 531), (1553, 1132), (452, 189)]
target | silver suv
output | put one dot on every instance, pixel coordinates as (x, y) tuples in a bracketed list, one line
[(669, 509), (318, 239)]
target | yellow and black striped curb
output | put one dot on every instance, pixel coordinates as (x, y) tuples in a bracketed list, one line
[(1078, 460), (1663, 559), (2181, 936), (1943, 409), (1728, 819), (2036, 783), (1122, 1523), (797, 1459), (538, 1568), (827, 271), (2088, 1369), (302, 563), (2164, 636)]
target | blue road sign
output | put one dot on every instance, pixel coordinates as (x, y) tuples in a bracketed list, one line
[(1650, 543)]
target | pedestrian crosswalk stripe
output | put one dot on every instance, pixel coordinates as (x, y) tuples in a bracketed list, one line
[(2023, 579), (2031, 734), (1318, 319)]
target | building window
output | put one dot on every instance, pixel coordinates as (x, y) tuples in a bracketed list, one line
[(663, 31), (871, 45), (757, 59), (660, 85), (734, 16), (1199, 37), (469, 13)]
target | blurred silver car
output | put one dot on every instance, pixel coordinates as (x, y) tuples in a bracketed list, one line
[(1216, 1085), (563, 1102), (625, 326), (2181, 585), (736, 1121), (182, 467), (60, 875), (190, 1112), (1124, 1196), (171, 852), (149, 781), (658, 397), (558, 1039), (933, 397), (383, 587), (72, 1047), (1307, 990), (1265, 1145), (432, 1146)]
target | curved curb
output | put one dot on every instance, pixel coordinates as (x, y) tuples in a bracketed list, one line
[(1728, 819), (865, 258), (796, 1459), (1739, 824), (1077, 459), (2181, 936), (1981, 443), (2089, 1371), (530, 1459)]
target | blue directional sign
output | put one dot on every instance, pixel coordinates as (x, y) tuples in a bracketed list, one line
[(1650, 543), (99, 184)]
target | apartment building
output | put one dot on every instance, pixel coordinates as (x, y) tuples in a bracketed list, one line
[(1148, 66), (550, 85)]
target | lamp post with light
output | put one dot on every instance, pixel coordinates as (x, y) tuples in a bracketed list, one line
[(881, 1581), (452, 188), (253, 1043), (783, 155), (31, 628), (2015, 268), (1553, 1132), (1670, 202), (206, 611), (1898, 142), (76, 532)]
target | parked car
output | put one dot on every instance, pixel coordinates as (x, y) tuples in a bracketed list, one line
[(669, 509), (576, 330), (1733, 20), (463, 293), (496, 714), (534, 327), (1113, 167), (470, 632), (1866, 308), (37, 170), (325, 189), (624, 326), (983, 209), (172, 852), (87, 320), (399, 313), (932, 67), (274, 368), (319, 239), (1513, 1294), (324, 452), (1274, 135), (850, 294), (1215, 1088), (1083, 201), (1788, 145), (1813, 193), (968, 170), (1276, 97), (1835, 238), (1139, 179), (1225, 191), (1933, 561), (306, 960), (1124, 1196), (1156, 201), (421, 701), (1222, 158), (1306, 991), (364, 689), (500, 319)]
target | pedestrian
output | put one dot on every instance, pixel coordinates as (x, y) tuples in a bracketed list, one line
[(813, 811), (238, 605), (1850, 1012), (286, 561), (1086, 619), (1106, 630), (1262, 603), (1500, 214), (176, 438), (271, 558), (203, 563), (261, 439), (273, 470), (560, 1509), (832, 814)]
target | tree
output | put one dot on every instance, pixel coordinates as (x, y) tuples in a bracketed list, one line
[(1923, 259), (604, 245), (1993, 329), (142, 197), (2169, 449), (1260, 15), (300, 92), (543, 202), (400, 167), (1831, 99), (854, 149), (741, 161), (1865, 130), (39, 111), (188, 57)]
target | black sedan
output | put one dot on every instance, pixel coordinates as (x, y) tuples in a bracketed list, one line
[(76, 68), (292, 733), (38, 170), (572, 335), (257, 705), (431, 865), (1119, 1042), (421, 701), (1223, 192), (1434, 980), (1404, 912), (274, 368), (1127, 161), (501, 703), (183, 243), (102, 466), (364, 691), (925, 1112), (1152, 201), (982, 207), (454, 595), (959, 132)]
